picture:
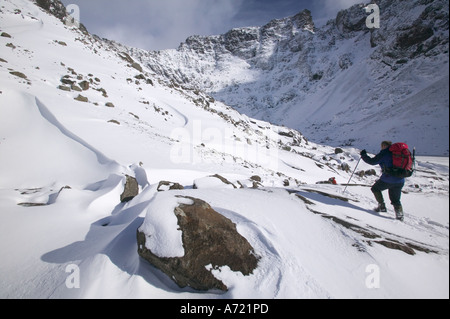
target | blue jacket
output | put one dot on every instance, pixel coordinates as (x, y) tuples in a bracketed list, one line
[(384, 159)]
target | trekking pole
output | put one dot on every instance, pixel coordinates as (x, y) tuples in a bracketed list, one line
[(352, 175)]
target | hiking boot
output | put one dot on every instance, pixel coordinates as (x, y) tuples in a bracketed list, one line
[(381, 208), (399, 213)]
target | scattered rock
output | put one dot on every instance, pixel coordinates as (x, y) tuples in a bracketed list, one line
[(103, 91), (114, 122), (134, 115), (256, 178), (84, 85), (210, 241), (6, 35), (64, 88), (345, 167), (109, 104), (370, 172), (125, 56), (131, 189), (66, 80), (165, 186), (81, 98), (75, 88), (19, 74), (64, 44), (338, 150), (137, 66)]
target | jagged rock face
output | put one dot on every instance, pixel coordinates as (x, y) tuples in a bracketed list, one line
[(208, 239), (57, 9), (425, 34), (54, 7), (319, 80)]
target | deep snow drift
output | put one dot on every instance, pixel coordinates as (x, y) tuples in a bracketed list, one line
[(65, 234)]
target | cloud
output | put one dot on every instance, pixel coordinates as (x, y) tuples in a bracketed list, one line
[(332, 7), (175, 20), (157, 24), (164, 24)]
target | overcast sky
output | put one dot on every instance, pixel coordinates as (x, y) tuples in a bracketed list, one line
[(164, 24)]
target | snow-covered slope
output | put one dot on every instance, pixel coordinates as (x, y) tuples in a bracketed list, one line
[(77, 115), (340, 84)]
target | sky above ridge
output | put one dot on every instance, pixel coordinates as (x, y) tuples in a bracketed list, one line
[(164, 24)]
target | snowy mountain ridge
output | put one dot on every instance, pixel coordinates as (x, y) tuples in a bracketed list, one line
[(79, 117), (340, 84)]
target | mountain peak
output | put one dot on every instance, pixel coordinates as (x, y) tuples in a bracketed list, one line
[(304, 20)]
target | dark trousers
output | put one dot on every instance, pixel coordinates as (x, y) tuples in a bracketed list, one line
[(395, 192)]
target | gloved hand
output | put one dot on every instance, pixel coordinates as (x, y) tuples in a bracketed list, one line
[(363, 153)]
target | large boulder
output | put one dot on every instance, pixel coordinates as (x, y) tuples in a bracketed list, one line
[(131, 189), (210, 241)]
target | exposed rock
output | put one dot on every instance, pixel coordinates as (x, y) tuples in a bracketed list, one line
[(64, 44), (370, 172), (131, 189), (5, 35), (66, 80), (75, 88), (345, 167), (338, 150), (165, 185), (81, 98), (19, 74), (84, 85), (114, 122), (209, 240), (103, 91), (126, 57), (137, 66), (64, 88), (213, 181)]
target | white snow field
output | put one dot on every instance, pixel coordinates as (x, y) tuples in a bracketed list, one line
[(64, 232)]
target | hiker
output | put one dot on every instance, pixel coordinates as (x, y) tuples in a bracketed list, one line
[(386, 182), (331, 180)]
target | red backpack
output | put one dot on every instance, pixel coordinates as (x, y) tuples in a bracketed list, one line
[(402, 160)]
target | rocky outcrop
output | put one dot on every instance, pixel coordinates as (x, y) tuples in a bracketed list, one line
[(131, 189), (210, 241)]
